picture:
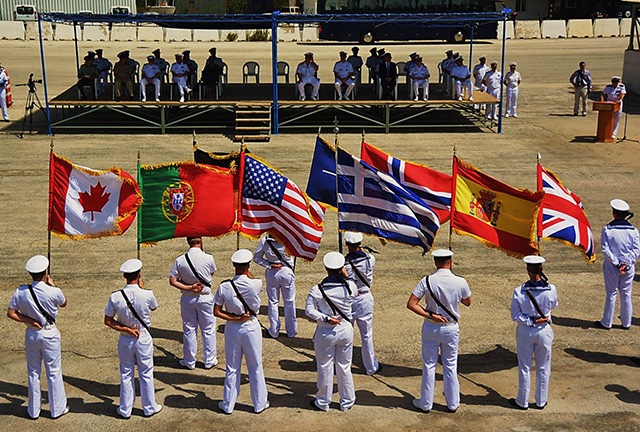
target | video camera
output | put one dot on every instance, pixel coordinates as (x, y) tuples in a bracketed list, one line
[(31, 83)]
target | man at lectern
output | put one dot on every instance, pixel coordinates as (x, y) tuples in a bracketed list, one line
[(614, 92)]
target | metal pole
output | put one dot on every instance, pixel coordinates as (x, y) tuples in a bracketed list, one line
[(453, 204), (504, 50), (75, 42), (139, 224), (336, 131), (44, 79), (274, 68), (539, 188), (473, 30), (49, 209)]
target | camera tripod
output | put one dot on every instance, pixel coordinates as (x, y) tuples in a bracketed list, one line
[(33, 101)]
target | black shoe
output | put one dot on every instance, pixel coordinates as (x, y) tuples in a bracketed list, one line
[(625, 328), (514, 404), (540, 407), (312, 404), (599, 325)]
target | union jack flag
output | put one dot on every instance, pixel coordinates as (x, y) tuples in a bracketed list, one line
[(562, 217)]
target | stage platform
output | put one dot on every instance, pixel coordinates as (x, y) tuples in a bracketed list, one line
[(248, 109)]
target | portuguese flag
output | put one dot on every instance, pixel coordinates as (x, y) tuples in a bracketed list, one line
[(185, 199)]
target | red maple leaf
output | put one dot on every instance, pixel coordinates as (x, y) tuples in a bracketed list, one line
[(94, 200)]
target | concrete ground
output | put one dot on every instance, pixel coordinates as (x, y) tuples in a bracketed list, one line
[(594, 385)]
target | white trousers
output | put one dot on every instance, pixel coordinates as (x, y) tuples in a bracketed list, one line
[(138, 352), (362, 310), (460, 84), (444, 339), (244, 339), (350, 85), (315, 82), (534, 342), (44, 345), (492, 109), (581, 95), (512, 101), (334, 345), (425, 88), (3, 103), (197, 311), (616, 121), (283, 281), (182, 85), (615, 283), (143, 86)]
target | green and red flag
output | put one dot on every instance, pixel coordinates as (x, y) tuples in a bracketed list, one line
[(184, 199)]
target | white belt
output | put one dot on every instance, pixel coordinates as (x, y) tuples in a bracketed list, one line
[(450, 322), (44, 327)]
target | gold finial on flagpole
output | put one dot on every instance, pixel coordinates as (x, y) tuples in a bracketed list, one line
[(362, 135), (319, 130), (194, 142), (539, 157)]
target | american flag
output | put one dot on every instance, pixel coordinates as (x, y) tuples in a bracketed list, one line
[(274, 204), (562, 217), (432, 186)]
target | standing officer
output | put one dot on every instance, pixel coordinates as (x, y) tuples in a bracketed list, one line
[(493, 81), (372, 63), (191, 274), (344, 74), (162, 64), (329, 304), (238, 301), (531, 309), (446, 65), (356, 62), (36, 305), (621, 248), (4, 81), (479, 72), (581, 80), (104, 66), (193, 68), (307, 73), (359, 266), (443, 292), (272, 255), (614, 92), (512, 80), (133, 305), (151, 74)]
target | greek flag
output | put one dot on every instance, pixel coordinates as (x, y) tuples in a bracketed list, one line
[(374, 202)]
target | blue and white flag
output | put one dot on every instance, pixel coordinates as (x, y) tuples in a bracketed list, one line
[(374, 202), (322, 176)]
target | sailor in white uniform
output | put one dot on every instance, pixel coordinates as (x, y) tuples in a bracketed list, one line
[(37, 305), (329, 304), (238, 301), (443, 292), (359, 266), (615, 92), (462, 78), (180, 72), (621, 248), (512, 80), (419, 75), (132, 306), (344, 74), (479, 72), (307, 73), (272, 255), (493, 81), (151, 74), (531, 308), (192, 277)]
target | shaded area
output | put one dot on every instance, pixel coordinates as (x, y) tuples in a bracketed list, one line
[(108, 395), (573, 322), (499, 358), (624, 394), (16, 399), (600, 357)]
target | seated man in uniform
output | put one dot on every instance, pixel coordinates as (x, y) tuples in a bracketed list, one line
[(87, 75), (307, 73), (461, 77), (388, 75), (213, 68), (419, 74), (193, 68), (162, 64), (180, 72), (344, 74), (122, 75), (150, 75)]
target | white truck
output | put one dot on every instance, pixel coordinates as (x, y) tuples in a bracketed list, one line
[(27, 10)]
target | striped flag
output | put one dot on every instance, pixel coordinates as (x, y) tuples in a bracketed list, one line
[(562, 217), (272, 203), (432, 186), (374, 202)]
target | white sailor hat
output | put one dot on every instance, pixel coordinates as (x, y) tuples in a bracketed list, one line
[(442, 253), (482, 57), (494, 63), (131, 266), (151, 57), (351, 237), (616, 78), (533, 259), (619, 205), (333, 260), (242, 256), (37, 264), (513, 64)]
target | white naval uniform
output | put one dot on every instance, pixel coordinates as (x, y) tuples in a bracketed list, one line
[(307, 73), (419, 77), (279, 281), (512, 79), (493, 81), (3, 94), (149, 72), (344, 70), (242, 339), (533, 340), (620, 244), (458, 74), (450, 290), (181, 68), (197, 308), (614, 94), (479, 71), (362, 306), (42, 345), (132, 351), (333, 343)]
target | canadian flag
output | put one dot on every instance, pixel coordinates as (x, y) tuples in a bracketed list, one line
[(88, 203)]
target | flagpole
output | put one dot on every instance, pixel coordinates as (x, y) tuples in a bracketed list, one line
[(194, 143), (538, 159), (336, 131), (453, 161), (139, 224), (49, 218), (240, 197)]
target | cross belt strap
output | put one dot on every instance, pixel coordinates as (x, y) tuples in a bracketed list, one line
[(45, 314), (535, 304), (133, 311), (438, 302), (278, 254), (244, 303), (195, 272), (333, 307), (357, 272)]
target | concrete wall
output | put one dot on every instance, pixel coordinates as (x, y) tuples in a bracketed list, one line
[(206, 35), (150, 33), (553, 29), (178, 35), (11, 30), (101, 33), (580, 28), (527, 29), (510, 30), (121, 33), (64, 32), (32, 31), (606, 27), (625, 26)]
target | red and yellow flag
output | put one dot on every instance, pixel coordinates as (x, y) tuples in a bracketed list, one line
[(493, 212)]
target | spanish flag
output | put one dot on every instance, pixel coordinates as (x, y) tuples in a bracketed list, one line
[(493, 212)]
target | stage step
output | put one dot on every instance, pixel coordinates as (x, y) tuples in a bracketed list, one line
[(253, 123)]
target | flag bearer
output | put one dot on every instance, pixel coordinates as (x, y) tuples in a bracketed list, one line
[(329, 304), (531, 309), (238, 302), (133, 305), (191, 274), (281, 279), (359, 266), (621, 248), (37, 305), (443, 292)]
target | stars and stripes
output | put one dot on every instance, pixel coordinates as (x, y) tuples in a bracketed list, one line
[(272, 203)]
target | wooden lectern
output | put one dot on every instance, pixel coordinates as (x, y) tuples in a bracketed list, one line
[(605, 120)]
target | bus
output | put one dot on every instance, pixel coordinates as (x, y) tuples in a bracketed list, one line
[(386, 29)]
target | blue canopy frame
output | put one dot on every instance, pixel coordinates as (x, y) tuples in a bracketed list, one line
[(272, 21)]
